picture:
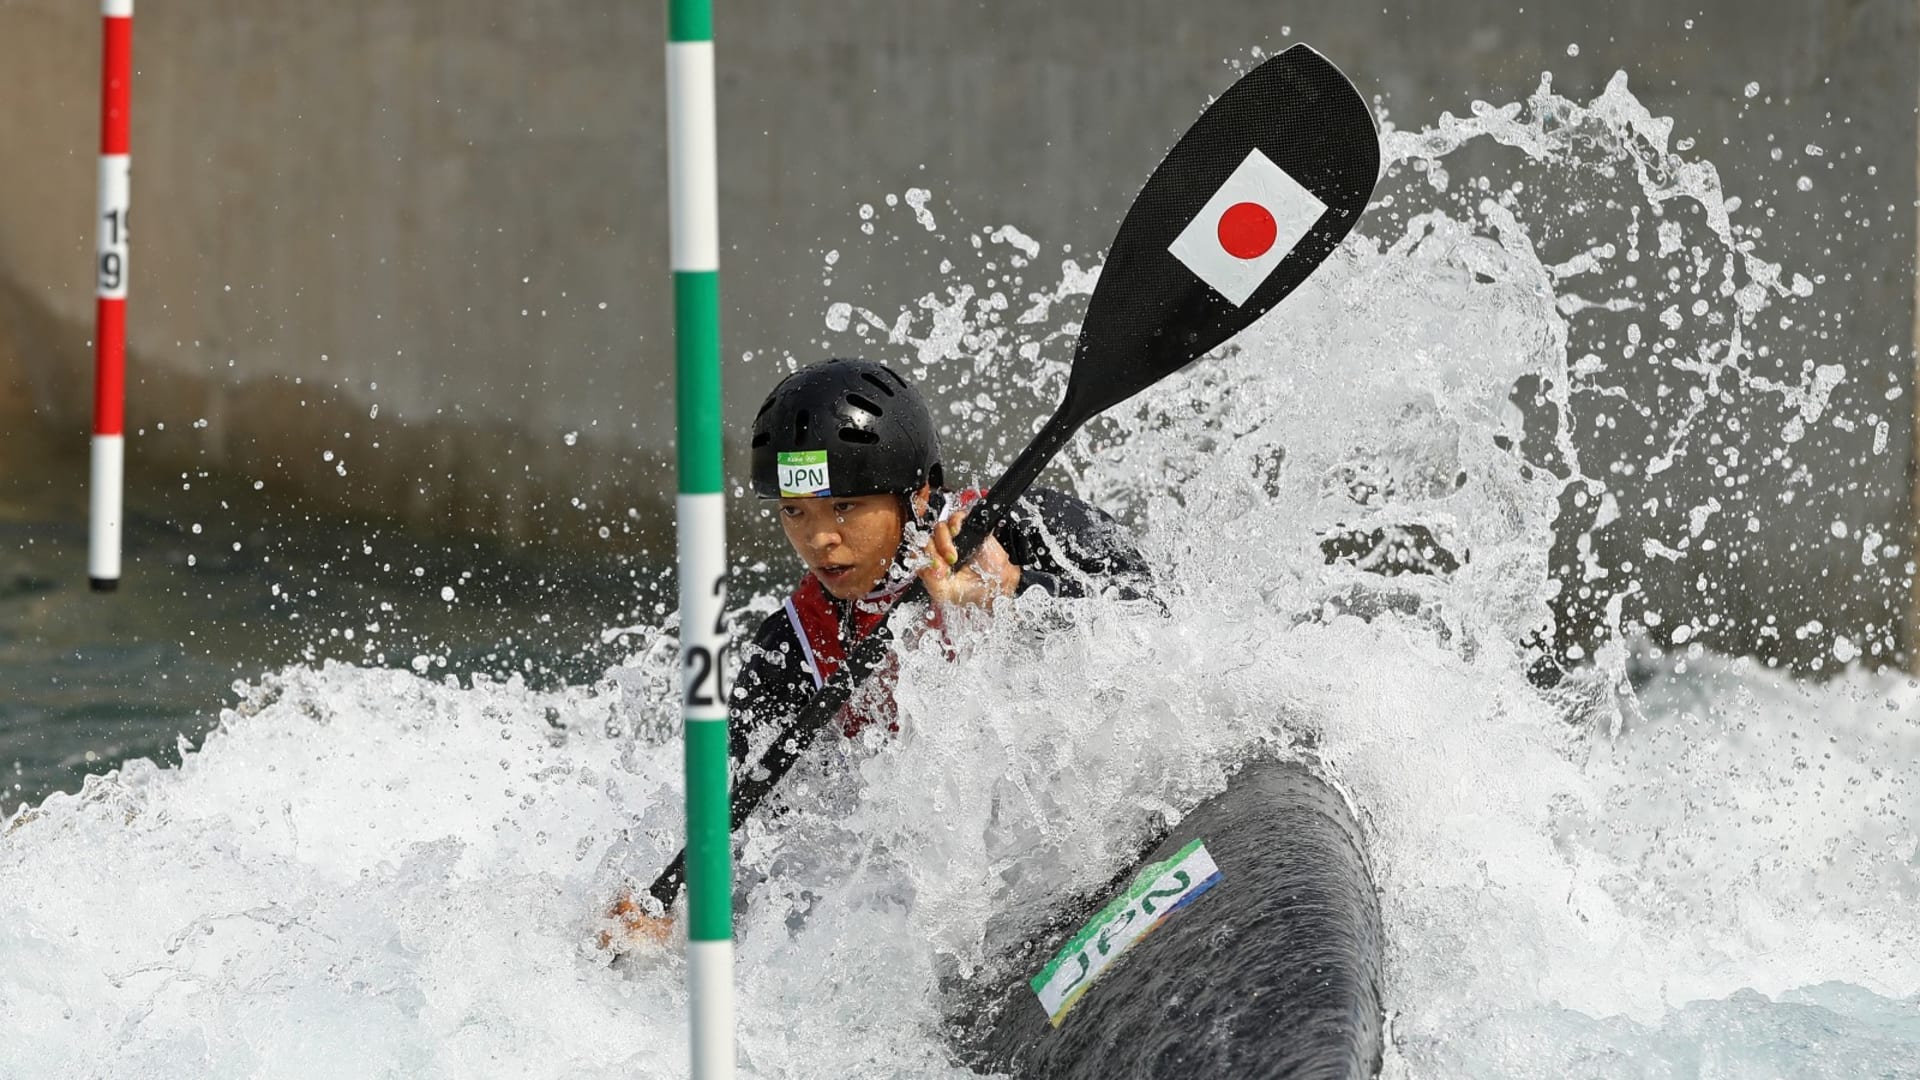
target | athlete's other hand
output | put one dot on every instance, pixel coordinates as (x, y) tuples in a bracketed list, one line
[(633, 925)]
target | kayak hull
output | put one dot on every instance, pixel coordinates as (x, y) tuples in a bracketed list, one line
[(1275, 971)]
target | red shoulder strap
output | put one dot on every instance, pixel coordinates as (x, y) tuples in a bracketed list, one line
[(816, 622), (818, 628)]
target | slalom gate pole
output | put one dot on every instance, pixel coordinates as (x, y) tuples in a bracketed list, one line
[(104, 509), (694, 200)]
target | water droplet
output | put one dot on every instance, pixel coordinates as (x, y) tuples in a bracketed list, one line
[(1573, 50), (1753, 89)]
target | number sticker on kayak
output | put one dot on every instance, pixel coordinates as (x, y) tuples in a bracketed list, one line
[(1159, 891)]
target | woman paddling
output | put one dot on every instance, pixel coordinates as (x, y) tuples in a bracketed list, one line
[(850, 450)]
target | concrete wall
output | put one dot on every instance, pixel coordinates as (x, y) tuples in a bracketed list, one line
[(439, 198)]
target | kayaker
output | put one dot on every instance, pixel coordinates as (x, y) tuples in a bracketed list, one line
[(850, 450)]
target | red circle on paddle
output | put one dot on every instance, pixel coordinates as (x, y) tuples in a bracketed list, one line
[(1247, 230)]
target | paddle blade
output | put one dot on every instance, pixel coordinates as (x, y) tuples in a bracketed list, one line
[(1251, 199)]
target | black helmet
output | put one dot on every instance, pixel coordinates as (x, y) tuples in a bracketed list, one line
[(844, 427)]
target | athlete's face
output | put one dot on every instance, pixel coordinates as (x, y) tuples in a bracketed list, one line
[(848, 542)]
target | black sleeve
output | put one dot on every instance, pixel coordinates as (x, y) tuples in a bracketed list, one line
[(772, 685), (1071, 548)]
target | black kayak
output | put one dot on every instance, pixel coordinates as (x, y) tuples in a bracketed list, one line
[(1270, 967)]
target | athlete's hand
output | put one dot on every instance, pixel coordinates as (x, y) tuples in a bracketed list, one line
[(633, 925), (987, 577)]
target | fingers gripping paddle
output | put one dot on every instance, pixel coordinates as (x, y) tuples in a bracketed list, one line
[(1249, 202)]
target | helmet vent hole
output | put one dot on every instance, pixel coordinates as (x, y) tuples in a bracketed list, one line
[(761, 440), (858, 435), (859, 402), (878, 384)]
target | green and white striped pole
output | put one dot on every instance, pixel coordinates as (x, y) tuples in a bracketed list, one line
[(694, 200)]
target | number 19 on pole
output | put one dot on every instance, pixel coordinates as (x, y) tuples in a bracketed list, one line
[(104, 487)]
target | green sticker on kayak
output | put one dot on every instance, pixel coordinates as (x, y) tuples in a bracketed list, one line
[(1159, 891)]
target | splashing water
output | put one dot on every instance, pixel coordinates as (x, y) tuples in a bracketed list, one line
[(1668, 864)]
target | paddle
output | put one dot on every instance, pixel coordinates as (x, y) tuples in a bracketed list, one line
[(1249, 202)]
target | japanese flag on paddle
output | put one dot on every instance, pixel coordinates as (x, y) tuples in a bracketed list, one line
[(1257, 193), (1247, 228)]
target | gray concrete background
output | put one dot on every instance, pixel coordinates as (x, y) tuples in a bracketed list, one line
[(437, 198)]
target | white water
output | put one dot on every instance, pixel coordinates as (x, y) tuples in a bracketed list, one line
[(1672, 865)]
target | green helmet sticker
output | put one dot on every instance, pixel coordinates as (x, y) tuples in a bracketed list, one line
[(803, 473)]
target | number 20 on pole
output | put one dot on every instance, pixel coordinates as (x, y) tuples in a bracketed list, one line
[(702, 663)]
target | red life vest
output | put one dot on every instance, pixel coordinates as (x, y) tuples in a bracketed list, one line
[(816, 620)]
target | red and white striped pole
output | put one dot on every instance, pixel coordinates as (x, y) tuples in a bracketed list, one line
[(110, 315)]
